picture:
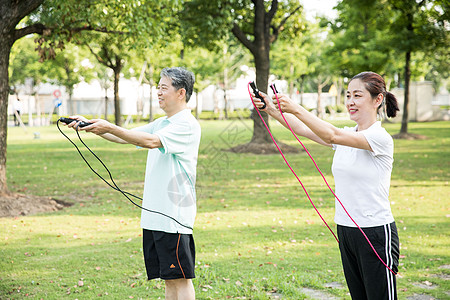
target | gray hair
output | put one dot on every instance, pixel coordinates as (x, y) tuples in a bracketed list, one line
[(181, 78)]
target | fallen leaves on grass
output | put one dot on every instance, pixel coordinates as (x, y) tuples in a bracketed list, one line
[(206, 287)]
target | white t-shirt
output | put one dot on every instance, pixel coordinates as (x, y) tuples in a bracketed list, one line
[(362, 179), (17, 105), (171, 173)]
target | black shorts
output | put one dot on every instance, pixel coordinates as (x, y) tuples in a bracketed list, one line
[(168, 255), (366, 276)]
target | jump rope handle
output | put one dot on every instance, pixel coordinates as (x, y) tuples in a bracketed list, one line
[(274, 88), (257, 94), (69, 120)]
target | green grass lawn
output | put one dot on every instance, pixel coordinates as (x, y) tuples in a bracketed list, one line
[(257, 236)]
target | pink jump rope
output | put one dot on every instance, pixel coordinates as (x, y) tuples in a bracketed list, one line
[(272, 86)]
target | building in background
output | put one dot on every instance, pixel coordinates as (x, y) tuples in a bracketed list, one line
[(91, 99)]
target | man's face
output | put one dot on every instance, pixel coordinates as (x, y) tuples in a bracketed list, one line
[(169, 98)]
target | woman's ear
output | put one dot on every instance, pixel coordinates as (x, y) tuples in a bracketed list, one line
[(379, 100)]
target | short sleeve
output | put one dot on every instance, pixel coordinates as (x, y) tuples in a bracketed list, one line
[(175, 137), (380, 141)]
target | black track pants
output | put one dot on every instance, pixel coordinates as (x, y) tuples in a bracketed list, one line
[(366, 276)]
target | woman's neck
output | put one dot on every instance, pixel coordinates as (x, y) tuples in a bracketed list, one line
[(366, 124)]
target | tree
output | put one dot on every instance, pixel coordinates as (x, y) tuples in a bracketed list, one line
[(11, 13), (203, 64), (24, 63), (305, 55), (418, 26), (359, 38), (112, 54), (155, 59), (216, 68), (24, 69), (26, 73), (69, 68), (103, 75), (233, 58), (58, 22), (438, 68), (256, 24), (290, 56), (364, 43)]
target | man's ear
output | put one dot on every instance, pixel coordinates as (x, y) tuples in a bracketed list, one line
[(181, 93)]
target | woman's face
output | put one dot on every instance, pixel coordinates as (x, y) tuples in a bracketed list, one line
[(360, 104)]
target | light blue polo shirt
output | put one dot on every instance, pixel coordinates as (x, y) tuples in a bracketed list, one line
[(171, 173)]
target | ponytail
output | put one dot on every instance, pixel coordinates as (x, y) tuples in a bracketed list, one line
[(391, 105)]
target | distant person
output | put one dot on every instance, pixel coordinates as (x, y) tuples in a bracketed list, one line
[(173, 142), (362, 167), (17, 109)]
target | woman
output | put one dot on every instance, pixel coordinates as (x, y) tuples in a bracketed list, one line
[(362, 166)]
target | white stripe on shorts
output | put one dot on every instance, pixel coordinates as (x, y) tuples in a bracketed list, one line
[(388, 249)]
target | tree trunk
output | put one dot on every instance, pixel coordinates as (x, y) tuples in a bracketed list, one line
[(260, 134), (225, 88), (5, 48), (150, 83), (404, 127), (320, 86), (11, 13), (117, 113), (216, 102), (339, 88), (225, 104), (68, 72), (291, 81), (319, 100), (196, 105), (150, 118), (106, 105), (302, 81), (70, 100)]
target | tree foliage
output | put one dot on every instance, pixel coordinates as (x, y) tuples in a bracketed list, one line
[(255, 24), (359, 37), (290, 58), (401, 30), (417, 27), (24, 63), (139, 23)]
